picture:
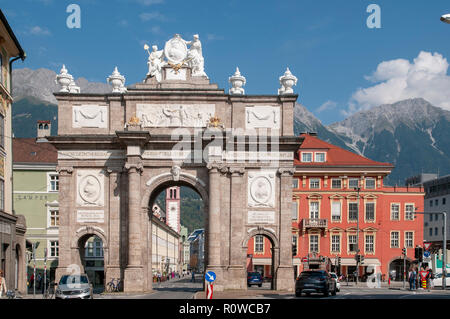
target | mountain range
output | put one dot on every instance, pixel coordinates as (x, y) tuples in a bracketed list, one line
[(411, 134)]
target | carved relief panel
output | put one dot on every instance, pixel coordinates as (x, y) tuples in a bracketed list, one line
[(175, 115), (90, 188), (261, 189), (89, 116), (262, 117)]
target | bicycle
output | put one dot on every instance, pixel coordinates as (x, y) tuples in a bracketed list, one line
[(115, 285), (49, 292)]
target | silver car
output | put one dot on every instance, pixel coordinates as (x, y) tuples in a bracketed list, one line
[(74, 287), (338, 283)]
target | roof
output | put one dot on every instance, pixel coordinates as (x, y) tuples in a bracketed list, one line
[(22, 54), (335, 156), (27, 150)]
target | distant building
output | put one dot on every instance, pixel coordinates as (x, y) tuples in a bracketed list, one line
[(173, 208), (36, 186), (12, 226), (197, 247), (326, 208), (418, 180), (184, 249)]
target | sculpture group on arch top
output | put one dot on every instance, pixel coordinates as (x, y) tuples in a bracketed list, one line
[(176, 55)]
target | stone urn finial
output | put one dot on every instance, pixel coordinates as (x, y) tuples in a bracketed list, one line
[(73, 88), (64, 79), (117, 81), (237, 82), (287, 81)]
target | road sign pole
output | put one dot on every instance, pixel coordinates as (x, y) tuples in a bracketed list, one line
[(209, 291)]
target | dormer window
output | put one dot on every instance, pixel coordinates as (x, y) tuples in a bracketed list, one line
[(319, 157), (370, 183), (306, 157)]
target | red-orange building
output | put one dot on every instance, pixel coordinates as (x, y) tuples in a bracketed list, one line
[(326, 206)]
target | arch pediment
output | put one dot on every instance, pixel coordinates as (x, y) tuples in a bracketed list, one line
[(336, 196)]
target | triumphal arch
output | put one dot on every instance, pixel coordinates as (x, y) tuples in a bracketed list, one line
[(116, 151)]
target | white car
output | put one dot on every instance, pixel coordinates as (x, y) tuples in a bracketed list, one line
[(338, 284), (437, 281)]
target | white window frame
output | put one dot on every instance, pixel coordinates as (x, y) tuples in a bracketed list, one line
[(295, 205), (49, 184), (2, 194), (336, 179), (315, 180), (353, 179), (391, 238), (349, 251), (335, 203), (334, 244), (295, 242), (374, 212), (366, 242), (406, 239), (311, 211), (305, 153), (50, 248), (370, 179), (348, 212), (51, 209), (295, 183), (398, 212), (310, 243), (324, 157), (411, 212), (255, 243)]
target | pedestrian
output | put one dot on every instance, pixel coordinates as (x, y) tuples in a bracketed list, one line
[(411, 279), (39, 280), (2, 284), (430, 278), (193, 277)]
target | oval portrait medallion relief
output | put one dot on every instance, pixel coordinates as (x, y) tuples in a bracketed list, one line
[(89, 189), (261, 190)]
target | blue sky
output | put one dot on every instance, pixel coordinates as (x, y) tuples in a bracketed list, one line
[(326, 44)]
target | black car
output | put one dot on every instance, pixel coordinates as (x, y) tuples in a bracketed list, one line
[(317, 281)]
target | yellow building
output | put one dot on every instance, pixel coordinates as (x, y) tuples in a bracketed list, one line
[(12, 227)]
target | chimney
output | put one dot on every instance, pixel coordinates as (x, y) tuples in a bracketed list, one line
[(43, 130)]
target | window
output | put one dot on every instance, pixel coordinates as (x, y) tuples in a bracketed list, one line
[(431, 232), (336, 183), (2, 131), (53, 182), (314, 243), (98, 248), (409, 239), (335, 211), (395, 212), (320, 157), (314, 210), (259, 243), (295, 183), (370, 211), (54, 248), (435, 231), (370, 183), (436, 202), (395, 236), (353, 183), (409, 212), (306, 157), (370, 247), (294, 245), (2, 194), (89, 249), (352, 211), (294, 210), (352, 243), (335, 243), (54, 218), (431, 217), (314, 183), (443, 201), (431, 203)]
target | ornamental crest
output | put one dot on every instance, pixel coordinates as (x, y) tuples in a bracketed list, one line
[(176, 50)]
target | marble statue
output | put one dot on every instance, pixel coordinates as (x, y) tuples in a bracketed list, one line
[(195, 57), (155, 62)]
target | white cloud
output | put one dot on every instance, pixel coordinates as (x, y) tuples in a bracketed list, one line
[(212, 37), (150, 2), (396, 80), (156, 30), (147, 16), (328, 105), (37, 30)]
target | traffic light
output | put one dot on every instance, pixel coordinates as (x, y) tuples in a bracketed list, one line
[(358, 258), (339, 261), (404, 251), (416, 252)]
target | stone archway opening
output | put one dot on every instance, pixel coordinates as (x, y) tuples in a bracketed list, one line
[(178, 211), (397, 269), (92, 259), (260, 259)]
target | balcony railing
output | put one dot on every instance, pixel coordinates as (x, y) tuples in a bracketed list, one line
[(315, 223)]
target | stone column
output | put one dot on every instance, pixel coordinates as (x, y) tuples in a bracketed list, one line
[(213, 234), (112, 265), (237, 278), (134, 272), (65, 204), (285, 271)]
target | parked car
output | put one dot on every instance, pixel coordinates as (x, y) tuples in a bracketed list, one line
[(317, 281), (74, 287), (437, 281), (338, 282), (254, 278)]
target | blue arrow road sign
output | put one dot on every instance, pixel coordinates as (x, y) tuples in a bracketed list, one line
[(426, 254), (210, 276)]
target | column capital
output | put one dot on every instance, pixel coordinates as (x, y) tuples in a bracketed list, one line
[(64, 170), (237, 171), (215, 167), (137, 167), (286, 171), (114, 170)]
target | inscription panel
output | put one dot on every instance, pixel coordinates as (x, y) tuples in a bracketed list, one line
[(90, 216), (89, 116), (262, 117), (261, 217)]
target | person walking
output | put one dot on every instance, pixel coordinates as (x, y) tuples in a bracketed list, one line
[(430, 278), (2, 284), (411, 279), (193, 276)]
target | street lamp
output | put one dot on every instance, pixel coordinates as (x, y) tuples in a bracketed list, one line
[(444, 244), (446, 18)]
